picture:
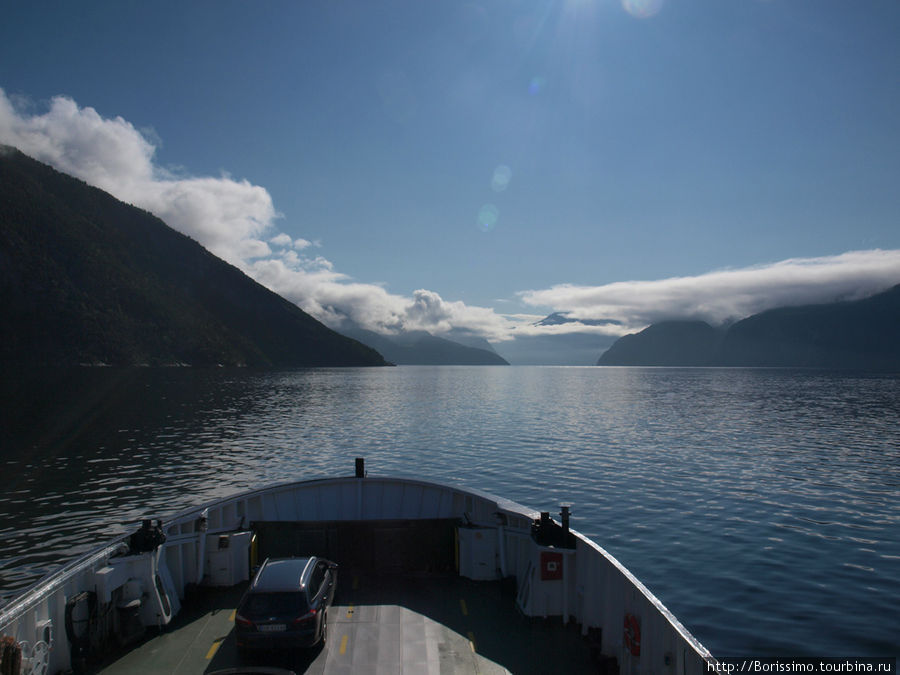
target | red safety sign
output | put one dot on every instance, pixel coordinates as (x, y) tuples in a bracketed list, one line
[(551, 566)]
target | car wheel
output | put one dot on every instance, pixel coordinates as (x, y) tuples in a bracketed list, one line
[(324, 632)]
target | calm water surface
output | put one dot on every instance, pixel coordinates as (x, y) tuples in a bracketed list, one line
[(761, 506)]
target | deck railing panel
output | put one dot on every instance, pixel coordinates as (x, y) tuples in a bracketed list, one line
[(599, 590)]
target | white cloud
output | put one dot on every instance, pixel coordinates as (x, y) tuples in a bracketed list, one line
[(108, 153), (228, 217), (727, 294), (333, 298), (234, 219), (285, 241), (282, 239)]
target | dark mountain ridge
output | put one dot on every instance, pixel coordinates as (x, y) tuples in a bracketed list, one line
[(668, 343), (419, 348), (87, 279), (857, 334)]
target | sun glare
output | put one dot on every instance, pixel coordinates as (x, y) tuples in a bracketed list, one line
[(642, 9)]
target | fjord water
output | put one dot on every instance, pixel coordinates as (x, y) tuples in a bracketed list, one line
[(761, 506)]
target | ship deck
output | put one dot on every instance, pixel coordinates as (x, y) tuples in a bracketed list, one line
[(419, 623)]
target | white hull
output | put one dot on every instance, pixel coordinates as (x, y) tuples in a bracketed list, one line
[(210, 544)]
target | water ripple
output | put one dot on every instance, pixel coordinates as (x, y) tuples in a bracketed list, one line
[(760, 506)]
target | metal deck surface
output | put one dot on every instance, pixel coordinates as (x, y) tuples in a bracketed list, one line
[(378, 624)]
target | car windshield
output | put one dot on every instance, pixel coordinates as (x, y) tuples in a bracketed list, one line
[(275, 604)]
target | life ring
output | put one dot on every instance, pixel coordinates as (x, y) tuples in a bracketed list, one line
[(632, 635)]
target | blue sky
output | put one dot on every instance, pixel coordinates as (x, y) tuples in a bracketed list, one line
[(477, 165)]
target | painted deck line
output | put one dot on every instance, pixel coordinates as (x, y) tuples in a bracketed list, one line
[(410, 624), (212, 650)]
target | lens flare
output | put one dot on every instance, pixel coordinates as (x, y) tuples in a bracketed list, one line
[(500, 179), (487, 217), (537, 84), (642, 9)]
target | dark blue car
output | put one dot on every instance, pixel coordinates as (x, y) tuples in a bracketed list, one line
[(287, 604)]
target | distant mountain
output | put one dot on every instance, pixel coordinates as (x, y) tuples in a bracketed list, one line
[(85, 278), (559, 318), (859, 334), (565, 349), (855, 334), (417, 348), (469, 340), (458, 348), (669, 343)]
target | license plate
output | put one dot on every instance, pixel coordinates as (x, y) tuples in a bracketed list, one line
[(272, 627)]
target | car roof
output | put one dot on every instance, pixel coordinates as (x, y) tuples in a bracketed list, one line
[(282, 574)]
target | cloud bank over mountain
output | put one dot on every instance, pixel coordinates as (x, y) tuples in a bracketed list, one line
[(225, 215), (233, 219), (237, 221), (728, 294)]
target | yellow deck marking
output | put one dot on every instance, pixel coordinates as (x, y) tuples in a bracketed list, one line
[(231, 618), (350, 611), (472, 640), (462, 605), (343, 649), (212, 650)]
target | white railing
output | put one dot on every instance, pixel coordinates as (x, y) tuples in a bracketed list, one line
[(595, 590)]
